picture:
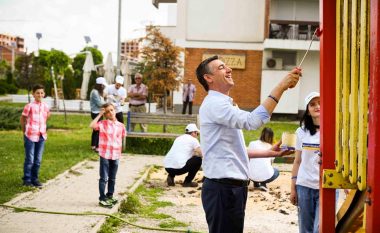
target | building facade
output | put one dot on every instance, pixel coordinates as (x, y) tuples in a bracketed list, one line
[(10, 48), (260, 39)]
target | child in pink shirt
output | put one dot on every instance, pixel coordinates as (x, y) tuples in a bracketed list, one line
[(111, 134), (33, 125)]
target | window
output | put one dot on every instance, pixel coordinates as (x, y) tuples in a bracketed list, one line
[(288, 57)]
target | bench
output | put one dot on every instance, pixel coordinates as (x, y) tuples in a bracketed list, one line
[(157, 119)]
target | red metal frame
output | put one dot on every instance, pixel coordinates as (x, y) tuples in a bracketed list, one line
[(373, 179), (327, 67)]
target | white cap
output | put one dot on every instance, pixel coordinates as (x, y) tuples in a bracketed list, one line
[(101, 80), (191, 128), (311, 96), (119, 79)]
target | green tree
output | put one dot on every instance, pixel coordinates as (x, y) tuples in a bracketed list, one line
[(161, 64), (78, 67), (29, 73)]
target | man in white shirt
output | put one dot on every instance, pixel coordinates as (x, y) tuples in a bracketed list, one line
[(184, 156), (226, 162), (116, 95)]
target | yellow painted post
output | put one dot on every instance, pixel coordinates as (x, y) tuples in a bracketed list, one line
[(354, 93), (346, 86), (363, 93), (339, 87)]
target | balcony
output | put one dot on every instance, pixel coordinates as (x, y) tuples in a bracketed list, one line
[(292, 30), (291, 35)]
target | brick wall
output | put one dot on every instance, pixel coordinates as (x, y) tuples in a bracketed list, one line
[(246, 92)]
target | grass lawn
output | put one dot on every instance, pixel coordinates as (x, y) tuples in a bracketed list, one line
[(64, 148), (69, 144)]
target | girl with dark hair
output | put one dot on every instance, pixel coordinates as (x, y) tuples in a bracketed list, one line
[(96, 102), (305, 172), (260, 169)]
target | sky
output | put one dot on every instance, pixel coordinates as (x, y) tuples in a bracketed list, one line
[(64, 23)]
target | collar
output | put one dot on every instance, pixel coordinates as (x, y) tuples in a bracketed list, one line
[(220, 95)]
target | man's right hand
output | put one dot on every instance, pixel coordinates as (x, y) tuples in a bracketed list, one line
[(291, 79)]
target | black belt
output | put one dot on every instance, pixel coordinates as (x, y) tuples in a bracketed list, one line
[(240, 183), (136, 105)]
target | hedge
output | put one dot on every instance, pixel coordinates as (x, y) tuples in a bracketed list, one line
[(149, 146), (10, 117)]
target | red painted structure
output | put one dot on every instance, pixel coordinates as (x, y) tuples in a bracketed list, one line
[(328, 66), (373, 180), (327, 72)]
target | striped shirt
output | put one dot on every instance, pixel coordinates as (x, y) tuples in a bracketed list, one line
[(36, 114), (142, 89), (111, 134)]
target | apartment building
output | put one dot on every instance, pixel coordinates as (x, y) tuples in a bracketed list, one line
[(10, 47), (260, 39)]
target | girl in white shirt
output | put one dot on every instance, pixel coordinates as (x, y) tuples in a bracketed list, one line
[(305, 172), (261, 171)]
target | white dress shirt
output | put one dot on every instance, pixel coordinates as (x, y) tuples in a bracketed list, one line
[(222, 141)]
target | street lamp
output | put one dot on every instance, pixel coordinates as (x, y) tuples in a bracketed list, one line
[(87, 39), (39, 36), (13, 47), (118, 39)]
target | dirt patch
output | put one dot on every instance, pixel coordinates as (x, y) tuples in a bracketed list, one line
[(265, 212)]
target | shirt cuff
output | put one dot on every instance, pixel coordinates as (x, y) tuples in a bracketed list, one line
[(262, 113)]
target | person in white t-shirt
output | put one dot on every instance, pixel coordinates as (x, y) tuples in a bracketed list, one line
[(116, 95), (305, 172), (185, 156), (261, 171)]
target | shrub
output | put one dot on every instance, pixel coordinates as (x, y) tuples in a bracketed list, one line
[(7, 88), (10, 117), (149, 146)]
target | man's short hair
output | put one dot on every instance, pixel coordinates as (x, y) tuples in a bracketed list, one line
[(203, 69), (37, 87), (138, 75)]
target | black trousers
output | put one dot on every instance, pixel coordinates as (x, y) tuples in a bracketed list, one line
[(185, 103), (95, 134), (119, 117), (191, 167), (224, 205)]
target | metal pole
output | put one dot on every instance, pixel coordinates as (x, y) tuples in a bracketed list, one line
[(118, 40), (328, 88), (373, 183)]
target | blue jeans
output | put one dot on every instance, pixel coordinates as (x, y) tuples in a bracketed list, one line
[(308, 209), (33, 157), (107, 172), (263, 183)]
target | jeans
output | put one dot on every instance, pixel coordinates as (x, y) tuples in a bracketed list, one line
[(263, 183), (33, 157), (308, 209), (107, 172)]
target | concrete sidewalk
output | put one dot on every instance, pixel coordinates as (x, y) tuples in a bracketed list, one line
[(76, 190)]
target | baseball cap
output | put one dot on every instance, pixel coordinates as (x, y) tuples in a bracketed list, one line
[(119, 79), (311, 96), (191, 128), (101, 80)]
